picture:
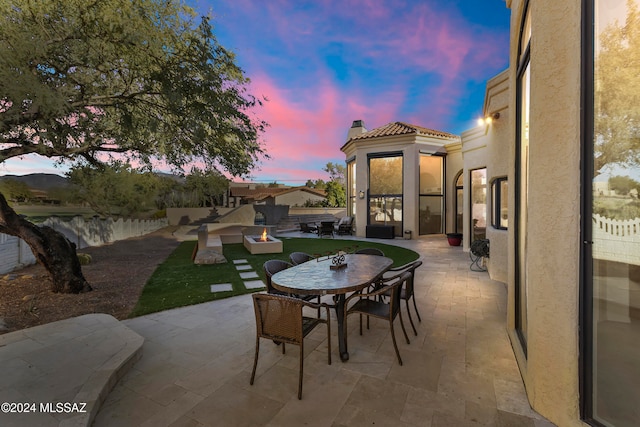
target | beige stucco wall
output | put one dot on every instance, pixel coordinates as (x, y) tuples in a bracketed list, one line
[(500, 151), (550, 370), (454, 166), (297, 198)]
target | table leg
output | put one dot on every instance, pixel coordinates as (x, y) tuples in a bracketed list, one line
[(342, 334)]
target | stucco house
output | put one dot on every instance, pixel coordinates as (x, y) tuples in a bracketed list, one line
[(250, 193), (396, 178), (529, 179)]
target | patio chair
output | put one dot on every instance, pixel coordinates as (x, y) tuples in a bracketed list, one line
[(308, 228), (326, 229), (345, 226), (406, 293), (299, 257), (369, 305), (279, 318), (273, 266), (370, 251)]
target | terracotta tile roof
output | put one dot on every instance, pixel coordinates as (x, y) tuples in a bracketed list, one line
[(244, 191), (264, 192), (400, 128)]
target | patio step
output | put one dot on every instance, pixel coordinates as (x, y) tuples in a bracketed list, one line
[(73, 361)]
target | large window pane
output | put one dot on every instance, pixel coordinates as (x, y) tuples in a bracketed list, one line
[(615, 370), (431, 218), (385, 210), (351, 186), (431, 170), (385, 175), (459, 203), (499, 203), (478, 203), (523, 92), (385, 192)]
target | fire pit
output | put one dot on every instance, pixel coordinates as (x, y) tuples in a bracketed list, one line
[(263, 244)]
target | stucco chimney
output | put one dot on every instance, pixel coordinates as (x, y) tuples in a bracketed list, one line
[(357, 128)]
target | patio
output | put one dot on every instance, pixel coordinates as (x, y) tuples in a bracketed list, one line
[(459, 371)]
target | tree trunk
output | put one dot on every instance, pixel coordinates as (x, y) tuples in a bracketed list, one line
[(52, 250)]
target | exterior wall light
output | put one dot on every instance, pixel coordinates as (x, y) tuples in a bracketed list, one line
[(489, 119), (361, 194)]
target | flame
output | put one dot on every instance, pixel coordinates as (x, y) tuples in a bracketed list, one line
[(264, 236)]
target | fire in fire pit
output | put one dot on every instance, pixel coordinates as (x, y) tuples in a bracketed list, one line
[(263, 244)]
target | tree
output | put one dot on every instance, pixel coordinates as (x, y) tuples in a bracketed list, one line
[(336, 196), (84, 81), (617, 121), (206, 187), (115, 189), (623, 184), (336, 172), (318, 184), (14, 190)]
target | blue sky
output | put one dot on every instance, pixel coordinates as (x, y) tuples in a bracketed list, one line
[(324, 63)]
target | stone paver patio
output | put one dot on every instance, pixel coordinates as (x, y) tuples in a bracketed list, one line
[(459, 371), (194, 365)]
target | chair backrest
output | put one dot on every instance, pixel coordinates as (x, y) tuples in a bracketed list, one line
[(299, 257), (345, 220), (394, 284), (370, 251), (278, 317), (271, 267), (411, 269), (326, 227)]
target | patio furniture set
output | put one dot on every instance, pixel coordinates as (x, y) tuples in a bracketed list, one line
[(329, 228), (360, 283)]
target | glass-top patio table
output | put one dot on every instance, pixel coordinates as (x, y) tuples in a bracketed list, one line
[(317, 278)]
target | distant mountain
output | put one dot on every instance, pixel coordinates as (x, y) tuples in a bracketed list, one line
[(40, 181)]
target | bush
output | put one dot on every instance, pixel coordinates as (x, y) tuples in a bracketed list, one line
[(84, 258)]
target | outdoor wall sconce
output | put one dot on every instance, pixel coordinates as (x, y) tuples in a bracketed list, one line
[(489, 119), (361, 194)]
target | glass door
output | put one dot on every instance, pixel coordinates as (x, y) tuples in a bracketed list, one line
[(431, 210), (612, 231)]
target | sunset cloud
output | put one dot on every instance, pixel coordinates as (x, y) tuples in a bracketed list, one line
[(325, 63)]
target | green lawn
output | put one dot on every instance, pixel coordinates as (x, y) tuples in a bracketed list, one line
[(179, 282)]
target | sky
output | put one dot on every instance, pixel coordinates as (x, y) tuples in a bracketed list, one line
[(321, 64)]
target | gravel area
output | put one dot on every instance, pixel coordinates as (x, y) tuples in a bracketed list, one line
[(117, 273)]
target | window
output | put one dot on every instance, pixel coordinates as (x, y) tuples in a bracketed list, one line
[(611, 225), (522, 177), (499, 203), (385, 190), (478, 203), (431, 211), (351, 187), (459, 202)]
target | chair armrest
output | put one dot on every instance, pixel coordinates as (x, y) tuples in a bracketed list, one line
[(317, 306)]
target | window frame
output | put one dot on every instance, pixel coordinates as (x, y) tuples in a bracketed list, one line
[(520, 291), (496, 202)]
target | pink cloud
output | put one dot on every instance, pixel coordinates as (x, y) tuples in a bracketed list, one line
[(312, 123)]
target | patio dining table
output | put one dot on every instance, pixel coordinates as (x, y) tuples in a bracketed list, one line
[(316, 277)]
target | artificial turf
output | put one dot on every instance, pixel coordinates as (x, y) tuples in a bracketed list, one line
[(179, 282)]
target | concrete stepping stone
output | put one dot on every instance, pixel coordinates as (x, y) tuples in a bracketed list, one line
[(221, 287), (241, 267), (249, 275), (254, 284), (240, 261)]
